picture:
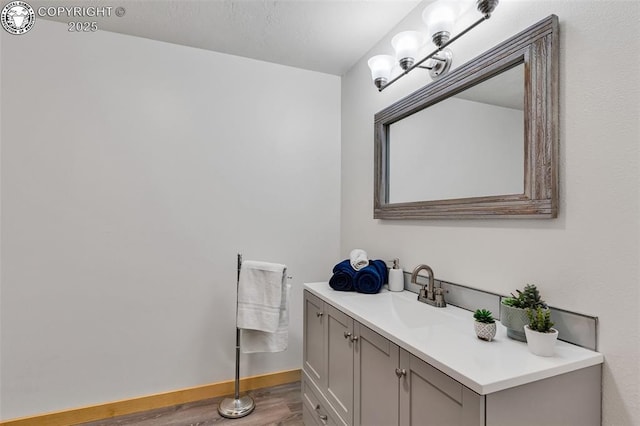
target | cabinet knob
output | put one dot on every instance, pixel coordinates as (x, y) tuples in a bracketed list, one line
[(317, 406), (323, 417), (354, 338), (347, 334), (401, 372), (319, 314)]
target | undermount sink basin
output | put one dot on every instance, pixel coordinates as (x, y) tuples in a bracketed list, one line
[(414, 314)]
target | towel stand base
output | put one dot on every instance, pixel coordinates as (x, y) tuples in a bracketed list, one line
[(234, 408)]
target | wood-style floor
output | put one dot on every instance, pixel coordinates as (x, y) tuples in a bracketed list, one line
[(278, 405)]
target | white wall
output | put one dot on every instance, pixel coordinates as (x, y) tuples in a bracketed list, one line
[(586, 260), (133, 171)]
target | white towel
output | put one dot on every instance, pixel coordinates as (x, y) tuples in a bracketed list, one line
[(260, 341), (358, 259), (260, 290)]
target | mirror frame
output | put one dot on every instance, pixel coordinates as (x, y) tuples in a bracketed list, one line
[(537, 48)]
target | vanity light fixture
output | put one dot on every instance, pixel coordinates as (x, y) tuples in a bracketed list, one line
[(439, 18)]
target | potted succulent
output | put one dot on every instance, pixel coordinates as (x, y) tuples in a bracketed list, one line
[(541, 337), (513, 314), (484, 324)]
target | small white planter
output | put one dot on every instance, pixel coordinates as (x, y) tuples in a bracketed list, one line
[(485, 331), (541, 344)]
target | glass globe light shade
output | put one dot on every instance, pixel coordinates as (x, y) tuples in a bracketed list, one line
[(440, 16), (380, 66), (406, 45)]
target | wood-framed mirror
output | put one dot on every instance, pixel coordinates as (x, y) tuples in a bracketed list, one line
[(453, 149)]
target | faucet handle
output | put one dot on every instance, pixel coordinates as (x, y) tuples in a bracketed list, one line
[(440, 297)]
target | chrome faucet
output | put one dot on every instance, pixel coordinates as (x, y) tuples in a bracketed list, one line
[(428, 294)]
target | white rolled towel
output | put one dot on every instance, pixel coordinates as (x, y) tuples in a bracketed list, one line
[(358, 259)]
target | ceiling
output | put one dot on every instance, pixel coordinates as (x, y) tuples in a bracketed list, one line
[(328, 36)]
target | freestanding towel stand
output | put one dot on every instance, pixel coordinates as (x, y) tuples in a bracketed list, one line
[(236, 407)]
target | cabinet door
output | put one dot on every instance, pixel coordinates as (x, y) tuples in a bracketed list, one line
[(313, 343), (339, 352), (430, 397), (376, 383)]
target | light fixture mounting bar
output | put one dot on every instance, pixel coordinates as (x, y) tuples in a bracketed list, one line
[(435, 52)]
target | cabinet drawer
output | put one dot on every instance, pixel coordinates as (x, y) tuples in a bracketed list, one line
[(309, 418), (316, 409)]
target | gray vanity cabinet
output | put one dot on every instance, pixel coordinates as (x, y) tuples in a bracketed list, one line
[(327, 383), (354, 376), (351, 368)]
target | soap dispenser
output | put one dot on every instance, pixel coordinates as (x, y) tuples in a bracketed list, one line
[(396, 277)]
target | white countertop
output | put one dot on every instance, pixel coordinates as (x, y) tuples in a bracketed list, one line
[(445, 338)]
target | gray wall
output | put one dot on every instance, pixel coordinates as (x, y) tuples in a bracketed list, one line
[(586, 260), (133, 171)]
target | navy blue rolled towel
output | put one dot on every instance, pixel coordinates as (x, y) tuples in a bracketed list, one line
[(371, 278), (343, 276)]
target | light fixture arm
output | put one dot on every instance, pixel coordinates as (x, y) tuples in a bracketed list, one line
[(431, 55), (435, 58)]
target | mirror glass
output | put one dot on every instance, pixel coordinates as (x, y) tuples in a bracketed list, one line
[(467, 145), (481, 142)]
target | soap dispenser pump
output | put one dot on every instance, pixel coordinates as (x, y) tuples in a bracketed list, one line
[(396, 277)]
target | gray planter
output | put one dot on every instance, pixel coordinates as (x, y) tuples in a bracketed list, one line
[(514, 319)]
